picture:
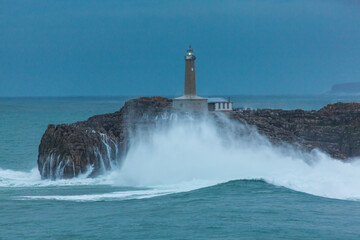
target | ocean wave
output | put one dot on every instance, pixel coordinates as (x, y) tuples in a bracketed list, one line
[(27, 179), (199, 150), (154, 191), (124, 195), (195, 154)]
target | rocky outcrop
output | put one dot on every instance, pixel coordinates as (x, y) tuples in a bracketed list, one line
[(98, 144), (334, 129)]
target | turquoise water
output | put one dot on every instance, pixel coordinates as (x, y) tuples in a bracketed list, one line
[(177, 186)]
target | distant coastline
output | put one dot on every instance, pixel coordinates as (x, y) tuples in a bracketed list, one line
[(345, 89)]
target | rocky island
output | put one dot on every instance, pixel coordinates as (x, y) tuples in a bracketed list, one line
[(67, 150), (101, 142)]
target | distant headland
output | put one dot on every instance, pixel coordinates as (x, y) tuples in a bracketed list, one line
[(343, 89)]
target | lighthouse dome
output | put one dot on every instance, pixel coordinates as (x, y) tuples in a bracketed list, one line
[(190, 54)]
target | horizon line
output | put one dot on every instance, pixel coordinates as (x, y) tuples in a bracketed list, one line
[(173, 96)]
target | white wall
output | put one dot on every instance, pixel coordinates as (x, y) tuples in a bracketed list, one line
[(223, 106)]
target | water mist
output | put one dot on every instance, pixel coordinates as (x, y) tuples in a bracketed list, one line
[(196, 153)]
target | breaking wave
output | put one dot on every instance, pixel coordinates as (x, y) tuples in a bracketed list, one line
[(192, 154), (200, 151), (32, 178)]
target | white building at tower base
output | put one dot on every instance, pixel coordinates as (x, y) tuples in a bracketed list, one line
[(219, 104), (190, 104)]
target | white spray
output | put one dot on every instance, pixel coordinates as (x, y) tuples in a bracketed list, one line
[(198, 152), (191, 154)]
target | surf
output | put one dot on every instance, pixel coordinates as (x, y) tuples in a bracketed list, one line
[(195, 153), (197, 150)]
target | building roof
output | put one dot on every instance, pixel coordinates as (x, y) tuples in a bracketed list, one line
[(215, 100)]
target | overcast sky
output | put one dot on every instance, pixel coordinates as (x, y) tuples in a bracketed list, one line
[(115, 48)]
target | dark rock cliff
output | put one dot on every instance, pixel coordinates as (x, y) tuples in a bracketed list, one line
[(334, 129), (101, 142), (68, 150)]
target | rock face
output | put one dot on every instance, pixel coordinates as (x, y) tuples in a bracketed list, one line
[(66, 151), (101, 142), (334, 129)]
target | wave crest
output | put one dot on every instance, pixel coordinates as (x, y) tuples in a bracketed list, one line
[(199, 153)]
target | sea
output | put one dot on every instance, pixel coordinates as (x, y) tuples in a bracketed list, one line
[(188, 181)]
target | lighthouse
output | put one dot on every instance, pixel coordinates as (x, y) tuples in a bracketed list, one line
[(190, 85), (190, 102)]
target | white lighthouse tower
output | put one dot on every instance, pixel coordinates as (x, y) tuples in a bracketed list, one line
[(190, 102)]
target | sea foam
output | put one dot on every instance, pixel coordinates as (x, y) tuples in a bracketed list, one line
[(192, 154), (197, 150)]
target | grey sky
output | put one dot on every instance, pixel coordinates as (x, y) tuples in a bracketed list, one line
[(80, 48)]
